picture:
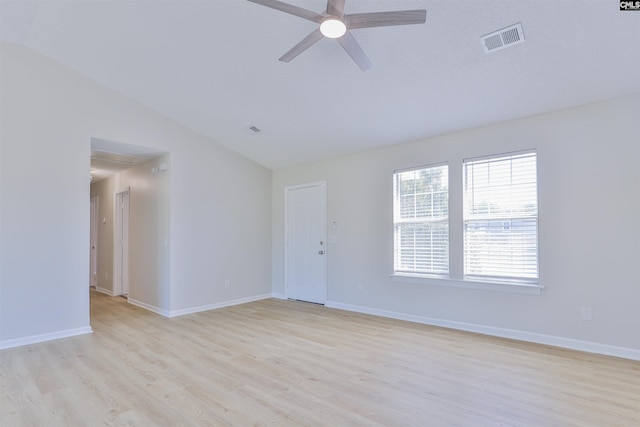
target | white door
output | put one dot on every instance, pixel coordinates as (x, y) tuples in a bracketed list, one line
[(305, 237), (121, 245), (93, 243)]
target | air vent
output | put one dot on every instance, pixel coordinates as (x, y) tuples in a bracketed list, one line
[(503, 38), (253, 130)]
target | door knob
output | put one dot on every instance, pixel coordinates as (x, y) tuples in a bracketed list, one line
[(321, 252)]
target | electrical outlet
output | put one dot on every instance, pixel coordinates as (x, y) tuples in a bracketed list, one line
[(586, 313), (227, 283)]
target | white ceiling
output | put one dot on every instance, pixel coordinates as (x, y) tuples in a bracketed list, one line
[(213, 66), (110, 157)]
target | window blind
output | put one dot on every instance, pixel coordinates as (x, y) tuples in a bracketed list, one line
[(501, 217), (421, 221)]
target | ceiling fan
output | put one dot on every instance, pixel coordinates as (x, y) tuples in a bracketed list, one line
[(333, 23)]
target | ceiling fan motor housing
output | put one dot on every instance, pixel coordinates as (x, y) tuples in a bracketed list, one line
[(333, 27)]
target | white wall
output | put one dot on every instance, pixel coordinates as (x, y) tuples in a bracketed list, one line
[(220, 202), (149, 233), (589, 201)]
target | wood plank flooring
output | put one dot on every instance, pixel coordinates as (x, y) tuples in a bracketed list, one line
[(288, 363)]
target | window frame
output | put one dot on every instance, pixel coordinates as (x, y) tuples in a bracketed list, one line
[(504, 218), (396, 206)]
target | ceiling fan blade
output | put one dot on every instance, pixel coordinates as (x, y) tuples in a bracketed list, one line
[(385, 19), (305, 44), (291, 9), (335, 8), (355, 51)]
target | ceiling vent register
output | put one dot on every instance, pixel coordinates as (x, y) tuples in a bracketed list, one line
[(502, 38)]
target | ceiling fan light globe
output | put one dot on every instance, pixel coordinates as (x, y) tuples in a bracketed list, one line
[(333, 28)]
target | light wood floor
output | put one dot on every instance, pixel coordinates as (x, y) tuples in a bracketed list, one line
[(286, 363)]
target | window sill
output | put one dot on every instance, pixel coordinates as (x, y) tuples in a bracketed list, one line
[(510, 287)]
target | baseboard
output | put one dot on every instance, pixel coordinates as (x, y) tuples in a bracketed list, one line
[(153, 308), (569, 343), (105, 291), (34, 339), (278, 296), (208, 307)]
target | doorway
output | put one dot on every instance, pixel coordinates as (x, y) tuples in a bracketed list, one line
[(305, 240), (121, 244)]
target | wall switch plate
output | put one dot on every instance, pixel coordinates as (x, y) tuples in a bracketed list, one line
[(586, 313)]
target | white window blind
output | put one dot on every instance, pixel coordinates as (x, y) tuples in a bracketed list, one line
[(501, 217), (421, 221)]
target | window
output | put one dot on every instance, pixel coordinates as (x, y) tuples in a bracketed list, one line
[(421, 221), (492, 242), (500, 214)]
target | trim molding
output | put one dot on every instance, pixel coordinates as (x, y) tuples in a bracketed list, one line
[(207, 307), (149, 307), (552, 340), (105, 291), (34, 339), (278, 296)]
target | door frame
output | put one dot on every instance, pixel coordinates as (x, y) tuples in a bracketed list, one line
[(322, 184), (121, 251), (93, 241)]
